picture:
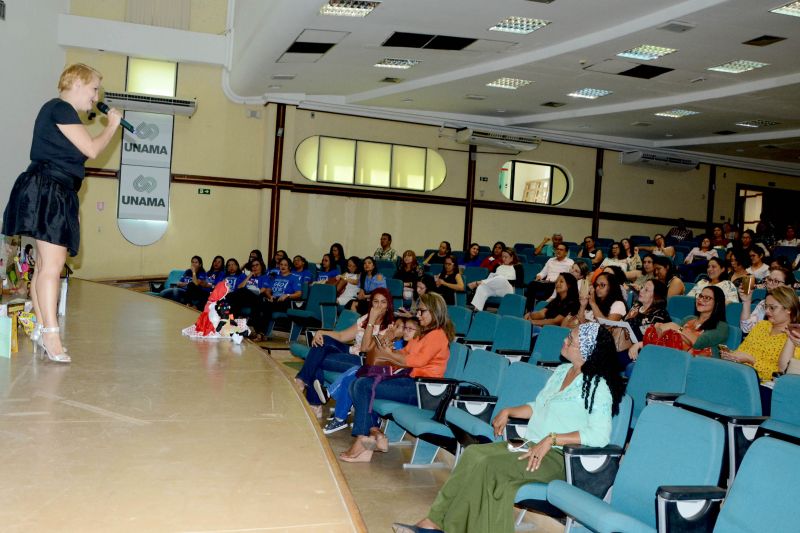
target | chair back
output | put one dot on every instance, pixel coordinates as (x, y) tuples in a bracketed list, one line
[(482, 328), (758, 295), (669, 446), (512, 333), (456, 361), (386, 263), (461, 318), (474, 274), (521, 383), (785, 407), (531, 269), (173, 278), (319, 294), (486, 368), (434, 269), (679, 307), (764, 493), (722, 387), (733, 312), (512, 305), (548, 345), (346, 319), (621, 421), (790, 252), (395, 287), (734, 337), (657, 369)]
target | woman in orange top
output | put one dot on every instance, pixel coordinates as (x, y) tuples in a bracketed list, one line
[(425, 356)]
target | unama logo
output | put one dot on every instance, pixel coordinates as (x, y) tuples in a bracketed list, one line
[(146, 132), (145, 185)]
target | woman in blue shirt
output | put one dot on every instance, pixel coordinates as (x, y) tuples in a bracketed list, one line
[(370, 280), (192, 278), (197, 294), (327, 270), (574, 407), (245, 299), (471, 256), (300, 269), (277, 295), (231, 276)]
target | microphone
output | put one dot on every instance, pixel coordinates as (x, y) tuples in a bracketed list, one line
[(103, 108)]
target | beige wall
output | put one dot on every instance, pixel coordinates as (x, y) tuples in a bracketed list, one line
[(728, 178), (490, 225)]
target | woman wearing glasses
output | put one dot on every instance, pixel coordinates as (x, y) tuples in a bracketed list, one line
[(574, 407), (758, 269), (604, 300), (778, 277), (424, 356), (718, 276), (762, 347)]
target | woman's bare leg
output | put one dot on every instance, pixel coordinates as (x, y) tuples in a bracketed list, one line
[(51, 259)]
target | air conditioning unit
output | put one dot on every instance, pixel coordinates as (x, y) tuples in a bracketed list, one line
[(151, 104), (664, 162), (517, 143)]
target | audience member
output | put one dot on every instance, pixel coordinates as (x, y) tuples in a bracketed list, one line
[(245, 300), (232, 273), (651, 308), (277, 294), (502, 281), (789, 237), (565, 303), (604, 300), (347, 282), (327, 271), (274, 266), (542, 287), (717, 275), (758, 269), (300, 270), (449, 282), (194, 275), (779, 277), (697, 259), (718, 239), (471, 256), (660, 247), (548, 245), (385, 252), (645, 275), (580, 270), (739, 262), (409, 272), (493, 260), (632, 258), (197, 293), (254, 254), (680, 232), (338, 258), (438, 257), (590, 251), (370, 280), (664, 271), (617, 256)]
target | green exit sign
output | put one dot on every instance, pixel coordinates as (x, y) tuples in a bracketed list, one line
[(203, 191)]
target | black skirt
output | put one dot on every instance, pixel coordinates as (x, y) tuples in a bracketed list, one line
[(44, 205)]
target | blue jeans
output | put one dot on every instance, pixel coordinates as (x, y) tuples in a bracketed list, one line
[(343, 399), (333, 356), (397, 389), (176, 294)]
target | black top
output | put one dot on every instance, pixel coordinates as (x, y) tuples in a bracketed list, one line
[(656, 313), (565, 307), (408, 276), (447, 293), (49, 144)]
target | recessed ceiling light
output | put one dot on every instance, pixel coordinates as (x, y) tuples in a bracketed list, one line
[(475, 97), (521, 25), (669, 135), (591, 94), (284, 76), (792, 9), (738, 66), (500, 110), (647, 52), (274, 87), (676, 113), (348, 8), (756, 123), (396, 62), (508, 83)]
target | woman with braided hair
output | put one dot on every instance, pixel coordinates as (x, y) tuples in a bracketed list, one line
[(574, 407)]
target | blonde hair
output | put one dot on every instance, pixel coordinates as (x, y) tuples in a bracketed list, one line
[(75, 72), (787, 298), (439, 318)]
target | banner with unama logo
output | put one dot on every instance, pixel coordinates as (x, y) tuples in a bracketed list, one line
[(145, 170)]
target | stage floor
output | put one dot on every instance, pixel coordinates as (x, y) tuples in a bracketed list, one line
[(147, 430)]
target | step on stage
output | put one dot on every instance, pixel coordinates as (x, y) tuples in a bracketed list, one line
[(147, 430)]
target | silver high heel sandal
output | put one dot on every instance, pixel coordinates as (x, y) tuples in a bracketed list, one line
[(58, 357), (36, 334)]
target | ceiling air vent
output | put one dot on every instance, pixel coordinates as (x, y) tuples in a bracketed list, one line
[(151, 104), (519, 143), (677, 26), (665, 162)]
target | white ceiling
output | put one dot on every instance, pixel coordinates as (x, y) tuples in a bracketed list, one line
[(576, 50)]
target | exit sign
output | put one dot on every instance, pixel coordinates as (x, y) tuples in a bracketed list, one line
[(203, 191)]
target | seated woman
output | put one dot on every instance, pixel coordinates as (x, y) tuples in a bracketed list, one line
[(409, 272), (589, 250), (702, 334), (254, 254), (197, 293), (660, 247), (494, 259), (650, 309), (449, 282), (471, 256), (717, 275), (617, 272), (664, 271), (327, 270), (762, 347), (397, 335), (697, 260), (617, 256), (331, 350), (274, 265), (438, 257), (425, 356), (194, 275), (502, 281), (369, 280), (232, 273), (245, 298), (347, 283), (580, 270), (718, 239), (603, 300), (565, 303), (425, 285), (758, 269), (633, 259), (338, 259), (574, 407), (300, 270), (645, 275), (277, 295), (738, 261), (779, 277)]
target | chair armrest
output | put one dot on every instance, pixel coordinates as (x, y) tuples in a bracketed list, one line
[(548, 364), (747, 420), (686, 508), (157, 286), (662, 397), (477, 405), (592, 469), (476, 398)]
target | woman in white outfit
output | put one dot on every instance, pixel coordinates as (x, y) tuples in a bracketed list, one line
[(509, 274)]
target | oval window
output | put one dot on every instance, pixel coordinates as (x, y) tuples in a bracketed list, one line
[(535, 183), (370, 164)]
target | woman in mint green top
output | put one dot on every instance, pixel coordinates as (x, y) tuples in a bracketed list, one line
[(574, 407)]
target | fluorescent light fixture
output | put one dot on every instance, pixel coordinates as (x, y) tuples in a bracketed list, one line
[(756, 123), (792, 9), (647, 52), (348, 8), (738, 66), (676, 113), (508, 83), (475, 97), (396, 62), (521, 25), (589, 93)]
